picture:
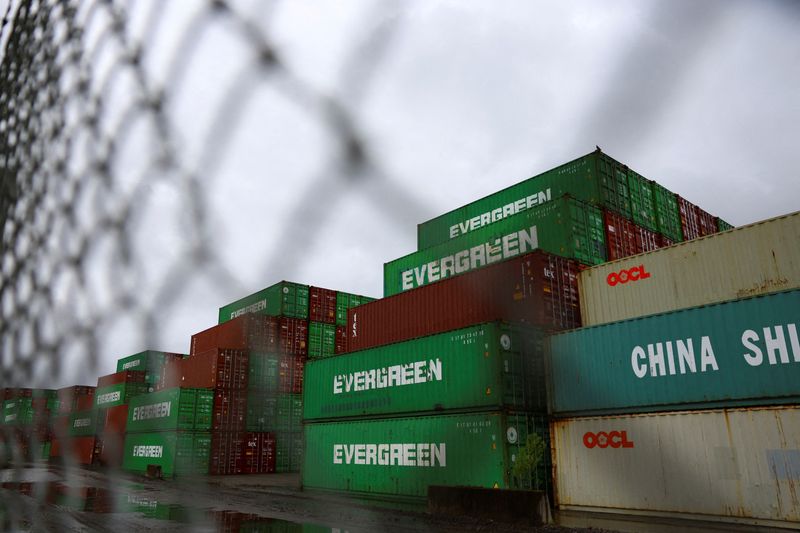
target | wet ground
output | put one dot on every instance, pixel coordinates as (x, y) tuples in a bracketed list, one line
[(47, 498)]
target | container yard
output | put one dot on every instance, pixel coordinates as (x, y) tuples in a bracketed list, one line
[(584, 328)]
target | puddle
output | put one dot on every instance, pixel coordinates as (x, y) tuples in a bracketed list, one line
[(103, 501)]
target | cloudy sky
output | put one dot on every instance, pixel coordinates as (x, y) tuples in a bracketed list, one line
[(450, 101)]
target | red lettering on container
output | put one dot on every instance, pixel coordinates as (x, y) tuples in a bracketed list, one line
[(626, 275), (602, 439)]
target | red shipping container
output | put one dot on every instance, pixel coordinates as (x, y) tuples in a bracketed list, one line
[(646, 240), (84, 403), (230, 410), (538, 289), (109, 449), (78, 450), (126, 376), (690, 222), (294, 336), (321, 305), (290, 373), (226, 452), (113, 419), (258, 453), (707, 222), (220, 368), (663, 241), (12, 393), (68, 398), (620, 236), (251, 331), (341, 340)]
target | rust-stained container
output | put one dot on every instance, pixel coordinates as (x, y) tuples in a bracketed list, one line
[(114, 419), (756, 259), (537, 289), (706, 222), (226, 452), (258, 453), (208, 370), (321, 305), (79, 450), (247, 332), (70, 397), (126, 376), (341, 340), (690, 223), (621, 238), (290, 374), (737, 465), (230, 410)]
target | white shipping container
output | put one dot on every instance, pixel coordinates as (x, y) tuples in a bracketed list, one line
[(738, 465), (756, 259)]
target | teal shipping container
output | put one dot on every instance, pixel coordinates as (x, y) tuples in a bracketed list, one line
[(170, 410), (594, 178), (486, 366), (737, 353), (400, 457), (564, 227)]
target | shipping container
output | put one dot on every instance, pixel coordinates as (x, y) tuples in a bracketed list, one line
[(341, 340), (480, 367), (621, 238), (113, 419), (690, 221), (282, 299), (755, 259), (208, 370), (273, 373), (119, 394), (258, 453), (271, 413), (289, 451), (321, 339), (248, 332), (83, 423), (68, 398), (738, 465), (668, 219), (167, 453), (321, 305), (227, 448), (150, 362), (743, 352), (402, 457), (537, 289), (78, 450), (345, 301), (643, 209), (126, 376), (564, 227), (706, 222), (724, 226), (230, 410), (594, 178), (172, 410)]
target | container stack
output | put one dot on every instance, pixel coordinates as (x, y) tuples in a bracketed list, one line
[(27, 423), (112, 397), (74, 426), (682, 395), (169, 432)]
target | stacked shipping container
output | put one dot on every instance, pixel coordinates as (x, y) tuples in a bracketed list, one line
[(26, 423), (692, 410), (68, 445)]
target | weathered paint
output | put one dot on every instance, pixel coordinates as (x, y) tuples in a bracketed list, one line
[(755, 259), (594, 178), (741, 351), (739, 464), (171, 410), (282, 299), (401, 457), (565, 227), (484, 366)]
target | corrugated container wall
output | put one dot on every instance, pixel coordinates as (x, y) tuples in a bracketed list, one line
[(594, 178), (401, 457), (564, 227), (755, 259), (480, 367), (282, 299), (741, 465), (740, 352), (537, 289)]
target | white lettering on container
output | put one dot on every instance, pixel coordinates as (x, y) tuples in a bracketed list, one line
[(406, 454), (392, 376), (499, 213)]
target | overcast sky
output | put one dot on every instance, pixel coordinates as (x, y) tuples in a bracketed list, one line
[(454, 100)]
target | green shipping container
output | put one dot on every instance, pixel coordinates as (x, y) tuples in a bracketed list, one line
[(174, 452), (564, 227), (401, 457), (643, 208), (282, 299), (267, 412), (83, 423), (481, 367), (289, 451), (149, 361), (738, 353), (321, 339), (345, 301), (668, 217), (594, 178), (263, 372), (724, 226), (18, 412), (171, 410), (118, 394)]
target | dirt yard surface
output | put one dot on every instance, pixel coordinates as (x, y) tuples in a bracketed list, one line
[(74, 499)]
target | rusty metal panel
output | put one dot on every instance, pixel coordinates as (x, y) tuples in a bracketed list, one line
[(757, 259), (736, 464)]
